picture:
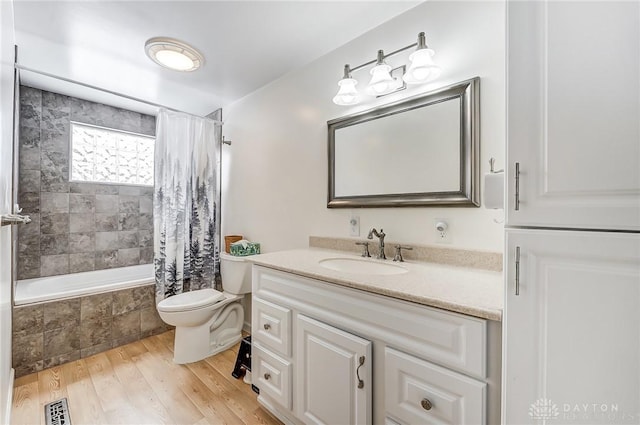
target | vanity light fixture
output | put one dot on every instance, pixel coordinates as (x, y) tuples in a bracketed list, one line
[(421, 70), (173, 54)]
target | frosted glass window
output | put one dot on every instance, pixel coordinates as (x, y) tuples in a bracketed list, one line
[(105, 155)]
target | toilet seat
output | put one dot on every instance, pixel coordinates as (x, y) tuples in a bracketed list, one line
[(191, 300)]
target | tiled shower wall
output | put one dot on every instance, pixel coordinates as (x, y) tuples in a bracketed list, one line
[(76, 227)]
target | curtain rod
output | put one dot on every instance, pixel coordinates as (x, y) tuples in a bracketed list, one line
[(125, 96)]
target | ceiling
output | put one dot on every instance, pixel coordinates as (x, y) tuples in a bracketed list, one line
[(246, 45)]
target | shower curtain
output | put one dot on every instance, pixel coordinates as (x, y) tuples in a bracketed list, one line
[(184, 211)]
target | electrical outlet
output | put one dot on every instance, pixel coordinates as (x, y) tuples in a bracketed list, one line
[(354, 225), (442, 231)]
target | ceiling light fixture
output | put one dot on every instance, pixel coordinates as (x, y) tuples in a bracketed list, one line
[(173, 54), (421, 70)]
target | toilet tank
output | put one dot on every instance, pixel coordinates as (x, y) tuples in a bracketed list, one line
[(236, 274)]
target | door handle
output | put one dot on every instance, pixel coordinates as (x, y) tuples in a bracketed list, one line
[(517, 270), (517, 206)]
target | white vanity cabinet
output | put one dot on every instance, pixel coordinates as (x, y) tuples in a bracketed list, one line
[(353, 357)]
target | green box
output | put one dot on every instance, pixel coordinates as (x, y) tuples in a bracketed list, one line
[(237, 249)]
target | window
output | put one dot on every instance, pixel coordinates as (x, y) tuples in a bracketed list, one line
[(105, 155)]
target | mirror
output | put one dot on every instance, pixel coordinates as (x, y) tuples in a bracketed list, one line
[(420, 151)]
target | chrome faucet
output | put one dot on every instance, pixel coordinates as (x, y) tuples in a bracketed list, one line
[(380, 236)]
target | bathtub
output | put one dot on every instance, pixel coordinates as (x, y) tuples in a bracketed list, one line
[(41, 289)]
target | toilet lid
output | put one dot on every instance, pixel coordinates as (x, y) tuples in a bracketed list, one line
[(191, 300)]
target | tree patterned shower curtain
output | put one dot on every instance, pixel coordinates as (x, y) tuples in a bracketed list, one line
[(184, 210)]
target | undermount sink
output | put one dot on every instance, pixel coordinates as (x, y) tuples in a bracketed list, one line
[(361, 266)]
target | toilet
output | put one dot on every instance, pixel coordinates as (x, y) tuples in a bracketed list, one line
[(209, 321)]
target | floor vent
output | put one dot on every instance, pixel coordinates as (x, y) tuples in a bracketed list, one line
[(57, 413)]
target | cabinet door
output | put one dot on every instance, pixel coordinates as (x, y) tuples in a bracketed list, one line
[(330, 365), (573, 84), (571, 335)]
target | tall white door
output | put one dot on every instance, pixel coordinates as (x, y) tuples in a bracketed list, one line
[(573, 90), (7, 41), (333, 375), (571, 328)]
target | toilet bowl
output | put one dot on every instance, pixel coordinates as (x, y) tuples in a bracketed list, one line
[(209, 321)]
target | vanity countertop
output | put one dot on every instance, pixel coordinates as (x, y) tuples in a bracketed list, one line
[(469, 291)]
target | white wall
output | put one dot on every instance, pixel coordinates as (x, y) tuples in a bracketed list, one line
[(275, 173), (6, 170)]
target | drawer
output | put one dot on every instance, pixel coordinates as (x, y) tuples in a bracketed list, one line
[(272, 375), (271, 326), (419, 392)]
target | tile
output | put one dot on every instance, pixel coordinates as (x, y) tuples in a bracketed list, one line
[(29, 136), (52, 223), (95, 331), (145, 238), (82, 222), (146, 204), (82, 262), (129, 190), (28, 266), (82, 242), (124, 302), (106, 222), (27, 349), (56, 101), (31, 229), (126, 325), (129, 257), (150, 322), (106, 203), (128, 221), (79, 187), (29, 181), (54, 119), (61, 341), (29, 157), (97, 306), (90, 351), (29, 244), (106, 189), (145, 221), (144, 296), (128, 239), (148, 125), (27, 369), (28, 320), (54, 244), (51, 265), (81, 203), (121, 119), (55, 181), (106, 259), (54, 202), (61, 359), (30, 107), (146, 191), (29, 202), (55, 141), (106, 241), (146, 255), (129, 204), (60, 314)]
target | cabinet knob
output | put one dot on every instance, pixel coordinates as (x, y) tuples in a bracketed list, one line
[(267, 376), (266, 326), (426, 404)]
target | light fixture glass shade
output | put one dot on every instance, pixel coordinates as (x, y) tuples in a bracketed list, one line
[(381, 81), (173, 54), (422, 68), (347, 94)]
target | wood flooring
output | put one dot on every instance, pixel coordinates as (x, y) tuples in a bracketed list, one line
[(138, 383)]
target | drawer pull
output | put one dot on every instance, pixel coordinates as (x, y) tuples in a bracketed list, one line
[(426, 404), (267, 376), (517, 204), (266, 326), (360, 363)]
